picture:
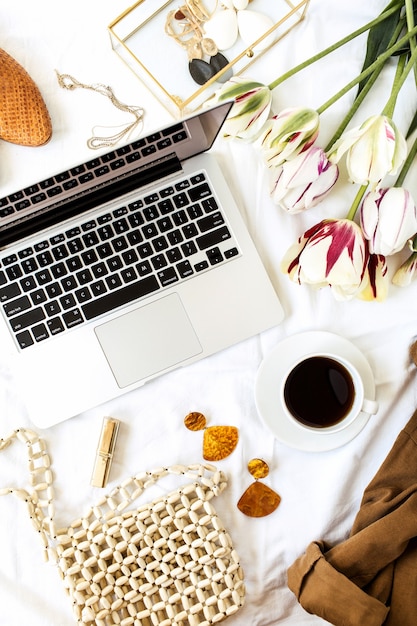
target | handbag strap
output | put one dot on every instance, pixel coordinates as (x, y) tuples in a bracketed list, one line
[(207, 482)]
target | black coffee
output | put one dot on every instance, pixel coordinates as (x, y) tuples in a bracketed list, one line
[(319, 392)]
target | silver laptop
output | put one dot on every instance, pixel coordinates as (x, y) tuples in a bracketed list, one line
[(125, 267)]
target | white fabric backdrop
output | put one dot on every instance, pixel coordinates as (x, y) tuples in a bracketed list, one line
[(320, 492)]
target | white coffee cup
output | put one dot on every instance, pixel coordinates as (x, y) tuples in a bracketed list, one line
[(324, 393)]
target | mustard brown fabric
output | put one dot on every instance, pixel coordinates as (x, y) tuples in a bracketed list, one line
[(370, 578)]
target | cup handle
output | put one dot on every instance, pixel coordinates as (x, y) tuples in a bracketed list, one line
[(370, 406)]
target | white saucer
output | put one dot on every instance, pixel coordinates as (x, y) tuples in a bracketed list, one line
[(278, 363)]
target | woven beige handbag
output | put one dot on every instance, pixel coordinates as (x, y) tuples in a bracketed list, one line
[(167, 562), (24, 118)]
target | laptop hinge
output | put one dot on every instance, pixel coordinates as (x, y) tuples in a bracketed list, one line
[(89, 198)]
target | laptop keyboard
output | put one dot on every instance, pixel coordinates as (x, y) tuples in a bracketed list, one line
[(109, 261)]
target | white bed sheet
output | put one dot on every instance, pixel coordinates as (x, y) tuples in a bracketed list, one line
[(320, 492)]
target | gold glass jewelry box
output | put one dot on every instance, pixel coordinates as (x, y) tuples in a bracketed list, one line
[(139, 37)]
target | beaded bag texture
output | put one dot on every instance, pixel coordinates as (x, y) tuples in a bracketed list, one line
[(167, 562)]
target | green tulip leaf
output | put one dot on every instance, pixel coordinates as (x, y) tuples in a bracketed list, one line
[(413, 125), (380, 37)]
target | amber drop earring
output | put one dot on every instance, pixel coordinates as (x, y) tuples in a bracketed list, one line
[(258, 500), (218, 441)]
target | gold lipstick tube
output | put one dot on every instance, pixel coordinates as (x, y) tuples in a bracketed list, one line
[(105, 450)]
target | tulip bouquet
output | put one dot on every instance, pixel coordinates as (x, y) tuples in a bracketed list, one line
[(348, 254)]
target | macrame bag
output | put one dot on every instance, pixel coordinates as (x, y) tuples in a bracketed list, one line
[(167, 562)]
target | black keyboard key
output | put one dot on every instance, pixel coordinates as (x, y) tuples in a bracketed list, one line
[(98, 288), (143, 268), (199, 267), (120, 226), (99, 270), (42, 245), (29, 318), (130, 256), (8, 260), (46, 184), (44, 258), (78, 169), (188, 248), (39, 197), (19, 206), (121, 297), (90, 239), (123, 150), (128, 275), (197, 178), (57, 239), (28, 283), (73, 318), (168, 276), (74, 263), (64, 176), (174, 255), (180, 218), (213, 238), (136, 219), (83, 295), (40, 332), (200, 192), (85, 178), (69, 283), (73, 232), (70, 184), (210, 221), (184, 268), (89, 256), (23, 254), (214, 256), (13, 272), (190, 230), (180, 200), (29, 265), (24, 339), (209, 205), (166, 206), (75, 245), (53, 290), (54, 191), (115, 165), (159, 261), (114, 282), (67, 302), (104, 250), (231, 253), (59, 270), (92, 164), (60, 252), (52, 308), (15, 307), (38, 297), (84, 277), (43, 277), (55, 326)]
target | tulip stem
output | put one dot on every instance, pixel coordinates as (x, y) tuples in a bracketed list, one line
[(356, 202), (370, 69), (383, 16), (399, 82), (407, 163), (409, 12), (362, 95), (355, 106)]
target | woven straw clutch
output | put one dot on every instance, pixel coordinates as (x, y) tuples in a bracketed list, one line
[(24, 118), (167, 562)]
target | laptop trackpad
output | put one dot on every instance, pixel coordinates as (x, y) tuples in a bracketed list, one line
[(147, 341)]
